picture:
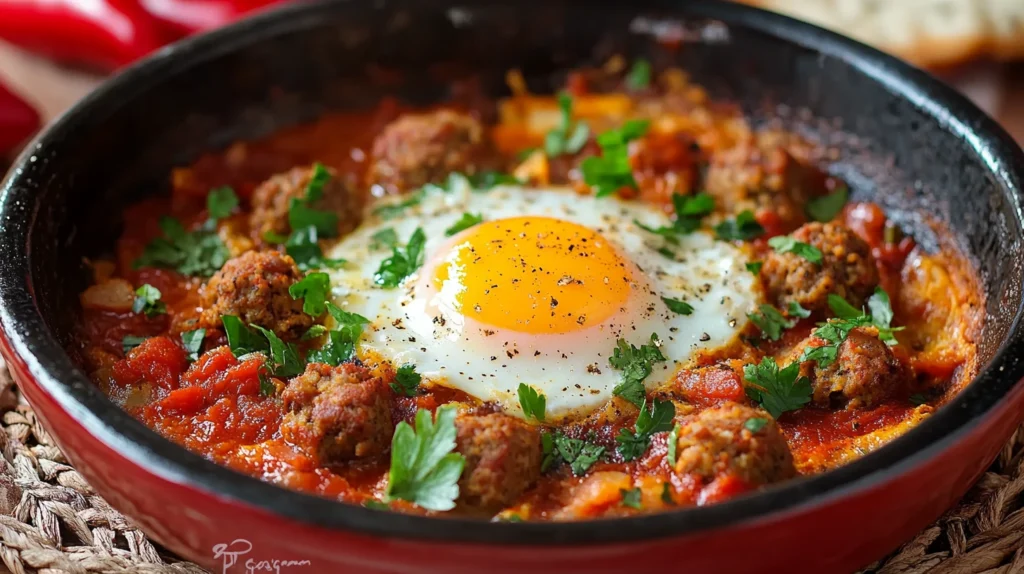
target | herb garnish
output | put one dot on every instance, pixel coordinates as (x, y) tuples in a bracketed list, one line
[(690, 210), (220, 202), (631, 498), (393, 210), (465, 222), (848, 318), (403, 262), (386, 237), (129, 342), (147, 300), (755, 424), (532, 402), (677, 306), (611, 171), (755, 267), (673, 445), (198, 253), (425, 470), (827, 207), (283, 358), (407, 381), (771, 321), (777, 390), (579, 454), (633, 444), (795, 309), (639, 76), (744, 228), (309, 225), (341, 342), (313, 289), (566, 138), (303, 246), (193, 342), (786, 244), (666, 494), (636, 364)]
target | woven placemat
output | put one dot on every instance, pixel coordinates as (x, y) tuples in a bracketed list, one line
[(51, 521)]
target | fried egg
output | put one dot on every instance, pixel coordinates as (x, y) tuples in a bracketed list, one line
[(539, 292)]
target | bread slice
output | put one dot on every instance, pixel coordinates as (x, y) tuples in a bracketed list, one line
[(929, 33)]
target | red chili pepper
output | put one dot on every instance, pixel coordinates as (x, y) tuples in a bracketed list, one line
[(184, 17), (18, 121), (103, 33)]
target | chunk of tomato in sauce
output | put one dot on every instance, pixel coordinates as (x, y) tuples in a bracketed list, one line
[(158, 361), (723, 487), (710, 386)]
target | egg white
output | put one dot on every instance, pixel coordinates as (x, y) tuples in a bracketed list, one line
[(570, 369)]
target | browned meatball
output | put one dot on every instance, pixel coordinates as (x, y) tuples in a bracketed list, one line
[(270, 201), (503, 456), (417, 149), (254, 287), (847, 269), (338, 414), (864, 373), (719, 441)]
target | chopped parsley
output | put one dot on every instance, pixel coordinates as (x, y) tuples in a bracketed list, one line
[(673, 445), (285, 356), (567, 138), (465, 222), (777, 390), (631, 498), (797, 310), (755, 267), (147, 300), (283, 359), (677, 306), (639, 76), (690, 210), (633, 444), (486, 180), (848, 318), (376, 505), (386, 237), (425, 470), (267, 386), (241, 339), (786, 244), (636, 364), (193, 342), (303, 246), (532, 402), (197, 253), (743, 228), (755, 424), (393, 210), (341, 341), (611, 171), (129, 342), (771, 321), (313, 290), (666, 494), (309, 225), (827, 207), (407, 381), (579, 454), (220, 202), (403, 261)]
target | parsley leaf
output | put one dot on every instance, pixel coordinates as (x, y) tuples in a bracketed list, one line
[(486, 180), (611, 171), (797, 310), (639, 76), (566, 138), (317, 181), (827, 207), (220, 202), (771, 321), (341, 342), (666, 494), (147, 300), (755, 267), (193, 342), (407, 381), (578, 453), (786, 244), (881, 316), (403, 262), (314, 332), (285, 357), (385, 238), (267, 386), (633, 444), (198, 253), (744, 228), (755, 424), (393, 210), (425, 470), (631, 498), (677, 306), (241, 339), (777, 390), (313, 289), (532, 402), (636, 364), (690, 210), (673, 445), (303, 246), (468, 220), (129, 342), (848, 318)]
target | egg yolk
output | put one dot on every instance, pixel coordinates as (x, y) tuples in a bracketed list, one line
[(534, 275)]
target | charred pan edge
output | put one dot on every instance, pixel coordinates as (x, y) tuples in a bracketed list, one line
[(29, 337)]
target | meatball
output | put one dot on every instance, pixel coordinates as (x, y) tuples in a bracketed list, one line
[(864, 373), (270, 201), (254, 287), (417, 149), (338, 414), (719, 441), (503, 456), (847, 269)]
